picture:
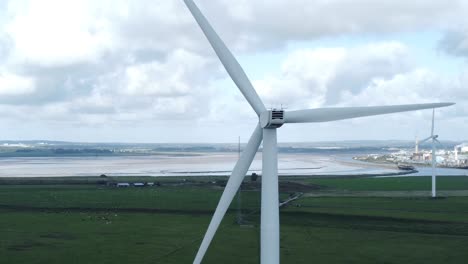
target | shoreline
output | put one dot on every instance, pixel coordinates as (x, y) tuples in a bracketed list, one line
[(202, 165)]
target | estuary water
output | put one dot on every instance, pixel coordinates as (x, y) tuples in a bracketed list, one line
[(192, 164)]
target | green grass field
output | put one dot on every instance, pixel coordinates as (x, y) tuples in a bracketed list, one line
[(89, 223), (391, 183)]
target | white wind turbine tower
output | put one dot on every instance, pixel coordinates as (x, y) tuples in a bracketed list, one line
[(269, 122), (433, 139)]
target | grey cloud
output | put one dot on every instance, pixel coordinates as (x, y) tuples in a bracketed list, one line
[(455, 43), (92, 109), (150, 27), (55, 84), (361, 67), (270, 24)]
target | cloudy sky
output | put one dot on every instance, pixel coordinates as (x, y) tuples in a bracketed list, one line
[(142, 71)]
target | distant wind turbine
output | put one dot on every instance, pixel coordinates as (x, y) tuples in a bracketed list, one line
[(433, 139), (269, 121)]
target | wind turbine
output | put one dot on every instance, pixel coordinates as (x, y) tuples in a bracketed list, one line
[(269, 121), (433, 139)]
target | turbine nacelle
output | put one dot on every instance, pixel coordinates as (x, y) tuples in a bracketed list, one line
[(273, 118)]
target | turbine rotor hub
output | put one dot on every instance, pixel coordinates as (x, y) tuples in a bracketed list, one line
[(273, 118)]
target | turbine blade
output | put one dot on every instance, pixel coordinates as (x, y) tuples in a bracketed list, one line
[(424, 140), (235, 180), (341, 113), (227, 59), (432, 128)]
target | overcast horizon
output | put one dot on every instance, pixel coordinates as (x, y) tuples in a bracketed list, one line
[(142, 71), (376, 141)]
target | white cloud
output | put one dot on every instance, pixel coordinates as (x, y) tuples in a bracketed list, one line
[(55, 33), (177, 76), (326, 76), (12, 84)]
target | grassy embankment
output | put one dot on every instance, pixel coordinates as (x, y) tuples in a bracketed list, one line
[(93, 223)]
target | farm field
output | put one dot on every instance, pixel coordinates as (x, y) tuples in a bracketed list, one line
[(94, 223)]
